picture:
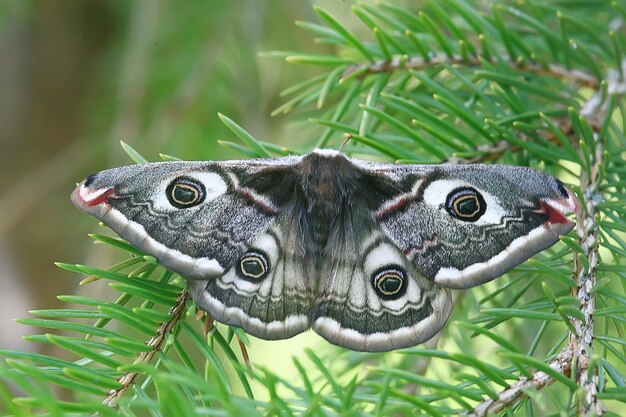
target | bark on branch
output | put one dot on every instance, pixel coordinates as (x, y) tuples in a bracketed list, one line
[(177, 313), (581, 78)]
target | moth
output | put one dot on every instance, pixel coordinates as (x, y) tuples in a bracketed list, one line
[(364, 253)]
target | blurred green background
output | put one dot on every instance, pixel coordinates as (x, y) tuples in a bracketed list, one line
[(77, 77)]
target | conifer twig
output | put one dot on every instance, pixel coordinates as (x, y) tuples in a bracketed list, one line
[(418, 63), (177, 313), (539, 379), (579, 348), (585, 277), (491, 152), (595, 112)]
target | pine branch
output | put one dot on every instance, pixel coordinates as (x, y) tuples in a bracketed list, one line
[(177, 313), (578, 351), (492, 152), (539, 379), (595, 112), (487, 153), (417, 63)]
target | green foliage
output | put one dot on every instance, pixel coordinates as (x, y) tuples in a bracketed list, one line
[(445, 81)]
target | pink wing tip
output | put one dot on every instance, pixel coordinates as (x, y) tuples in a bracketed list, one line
[(83, 196), (557, 209)]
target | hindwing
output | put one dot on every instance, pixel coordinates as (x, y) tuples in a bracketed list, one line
[(370, 296), (269, 291)]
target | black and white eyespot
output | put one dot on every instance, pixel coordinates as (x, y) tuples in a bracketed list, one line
[(466, 204), (253, 266), (184, 192), (486, 207), (390, 282)]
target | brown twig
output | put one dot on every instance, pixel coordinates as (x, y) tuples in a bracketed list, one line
[(585, 277), (587, 228), (491, 152), (177, 313), (509, 396), (244, 354), (487, 153), (581, 78)]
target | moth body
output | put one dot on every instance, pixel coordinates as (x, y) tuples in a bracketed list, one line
[(362, 252)]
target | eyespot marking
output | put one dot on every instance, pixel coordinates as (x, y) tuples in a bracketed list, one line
[(465, 204), (253, 266), (390, 282), (184, 192)]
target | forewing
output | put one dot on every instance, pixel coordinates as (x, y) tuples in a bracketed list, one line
[(145, 204), (520, 212), (352, 311)]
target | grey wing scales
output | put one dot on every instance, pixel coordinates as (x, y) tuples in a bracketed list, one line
[(239, 208), (519, 213), (239, 201), (357, 308), (271, 302)]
